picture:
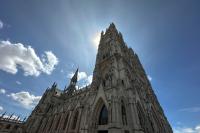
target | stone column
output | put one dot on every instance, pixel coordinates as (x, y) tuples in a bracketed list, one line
[(49, 124), (115, 127), (42, 125), (62, 120), (69, 121), (83, 124), (45, 124), (79, 119), (54, 123), (39, 125)]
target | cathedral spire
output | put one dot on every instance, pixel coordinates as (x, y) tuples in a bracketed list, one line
[(74, 78), (72, 85)]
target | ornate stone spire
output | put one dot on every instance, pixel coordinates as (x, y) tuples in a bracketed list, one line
[(72, 86), (74, 78)]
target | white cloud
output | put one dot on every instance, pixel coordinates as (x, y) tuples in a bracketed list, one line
[(2, 91), (191, 109), (1, 24), (25, 99), (16, 55), (149, 77), (49, 61), (89, 79), (1, 108), (187, 129), (18, 82), (86, 81)]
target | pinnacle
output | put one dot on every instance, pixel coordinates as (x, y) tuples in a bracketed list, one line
[(112, 25), (111, 29)]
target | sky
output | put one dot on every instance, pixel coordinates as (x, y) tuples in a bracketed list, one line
[(42, 42)]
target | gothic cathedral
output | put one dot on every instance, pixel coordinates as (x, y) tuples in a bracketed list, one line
[(120, 98)]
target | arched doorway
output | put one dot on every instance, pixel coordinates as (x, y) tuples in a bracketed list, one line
[(100, 119)]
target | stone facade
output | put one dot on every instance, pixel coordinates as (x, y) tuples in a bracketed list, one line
[(8, 124), (120, 98)]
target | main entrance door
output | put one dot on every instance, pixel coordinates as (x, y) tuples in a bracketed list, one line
[(102, 131)]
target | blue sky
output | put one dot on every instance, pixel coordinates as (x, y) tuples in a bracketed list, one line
[(45, 41)]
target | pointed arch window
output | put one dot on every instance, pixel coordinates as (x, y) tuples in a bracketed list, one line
[(103, 117), (124, 118), (75, 121)]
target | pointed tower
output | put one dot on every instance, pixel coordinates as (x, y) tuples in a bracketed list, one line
[(120, 98), (110, 50), (119, 72), (72, 86), (74, 78)]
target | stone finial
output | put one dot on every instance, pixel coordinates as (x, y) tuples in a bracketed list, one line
[(54, 85), (112, 25), (11, 116), (18, 118), (24, 119), (102, 33)]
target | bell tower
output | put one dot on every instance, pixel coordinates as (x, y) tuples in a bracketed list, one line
[(119, 72), (112, 59)]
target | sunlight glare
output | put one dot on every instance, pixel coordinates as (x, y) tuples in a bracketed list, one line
[(96, 39)]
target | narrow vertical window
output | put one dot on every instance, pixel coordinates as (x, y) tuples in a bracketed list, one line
[(123, 82), (103, 117), (104, 83), (124, 119)]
